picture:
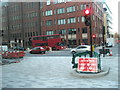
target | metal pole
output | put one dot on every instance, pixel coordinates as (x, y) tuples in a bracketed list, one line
[(91, 55), (103, 46)]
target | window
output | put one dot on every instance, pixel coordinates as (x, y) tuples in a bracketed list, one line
[(49, 22), (72, 31), (61, 21), (72, 20), (63, 31), (58, 1), (83, 19), (82, 6), (84, 30), (61, 10), (85, 41), (48, 13), (93, 17), (49, 33), (78, 19), (71, 9), (48, 2), (54, 11)]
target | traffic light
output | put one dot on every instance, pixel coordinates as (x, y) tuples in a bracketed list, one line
[(94, 36), (87, 17), (2, 32)]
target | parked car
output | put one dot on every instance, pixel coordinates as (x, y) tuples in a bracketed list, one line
[(37, 49), (81, 48), (109, 44)]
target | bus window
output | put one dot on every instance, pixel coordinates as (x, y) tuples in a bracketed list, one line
[(41, 44)]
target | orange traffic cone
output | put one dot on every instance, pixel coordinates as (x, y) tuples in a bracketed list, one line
[(110, 53)]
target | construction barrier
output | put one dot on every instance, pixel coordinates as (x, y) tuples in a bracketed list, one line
[(13, 54)]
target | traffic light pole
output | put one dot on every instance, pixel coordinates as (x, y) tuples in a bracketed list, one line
[(88, 23), (91, 54)]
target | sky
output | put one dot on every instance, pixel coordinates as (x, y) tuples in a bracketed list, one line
[(113, 5)]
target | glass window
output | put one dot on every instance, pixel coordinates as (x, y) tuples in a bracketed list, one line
[(83, 19), (84, 30), (82, 6), (71, 9), (61, 21), (72, 31), (49, 22), (48, 2), (48, 13), (63, 31), (71, 20), (49, 33), (61, 10), (78, 19)]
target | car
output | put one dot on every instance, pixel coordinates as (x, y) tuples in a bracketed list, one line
[(81, 48), (38, 49), (109, 44)]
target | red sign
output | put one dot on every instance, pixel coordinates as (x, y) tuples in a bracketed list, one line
[(87, 65)]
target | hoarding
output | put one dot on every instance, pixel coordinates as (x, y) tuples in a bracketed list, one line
[(87, 65)]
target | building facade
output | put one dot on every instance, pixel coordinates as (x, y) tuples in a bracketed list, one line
[(22, 20), (67, 18)]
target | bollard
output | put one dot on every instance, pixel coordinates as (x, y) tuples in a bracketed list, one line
[(110, 53)]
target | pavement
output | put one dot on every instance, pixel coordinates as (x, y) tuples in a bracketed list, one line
[(57, 72)]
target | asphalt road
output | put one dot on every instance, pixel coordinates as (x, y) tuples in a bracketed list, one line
[(66, 52)]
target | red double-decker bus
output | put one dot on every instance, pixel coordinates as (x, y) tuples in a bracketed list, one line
[(56, 42)]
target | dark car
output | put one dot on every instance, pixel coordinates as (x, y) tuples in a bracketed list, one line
[(38, 49)]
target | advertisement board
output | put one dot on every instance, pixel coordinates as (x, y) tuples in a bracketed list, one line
[(87, 65)]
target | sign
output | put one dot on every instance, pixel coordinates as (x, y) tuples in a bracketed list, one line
[(87, 65)]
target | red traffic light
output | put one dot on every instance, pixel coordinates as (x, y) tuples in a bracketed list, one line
[(87, 11), (94, 36)]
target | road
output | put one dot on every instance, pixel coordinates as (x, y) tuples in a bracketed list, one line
[(46, 71)]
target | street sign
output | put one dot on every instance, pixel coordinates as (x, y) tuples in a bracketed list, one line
[(87, 65)]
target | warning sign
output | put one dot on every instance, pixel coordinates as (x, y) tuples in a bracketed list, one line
[(87, 65)]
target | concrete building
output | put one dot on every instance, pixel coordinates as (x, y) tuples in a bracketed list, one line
[(21, 21), (108, 24)]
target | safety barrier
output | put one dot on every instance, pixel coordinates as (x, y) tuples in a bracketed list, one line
[(86, 55), (13, 54)]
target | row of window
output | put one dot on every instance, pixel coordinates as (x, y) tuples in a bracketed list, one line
[(18, 35), (63, 21), (30, 15), (56, 1), (15, 27), (14, 8), (27, 15), (30, 34), (62, 10), (30, 24), (12, 18), (72, 9), (63, 31)]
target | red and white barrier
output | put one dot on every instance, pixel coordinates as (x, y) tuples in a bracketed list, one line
[(13, 54), (110, 53)]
